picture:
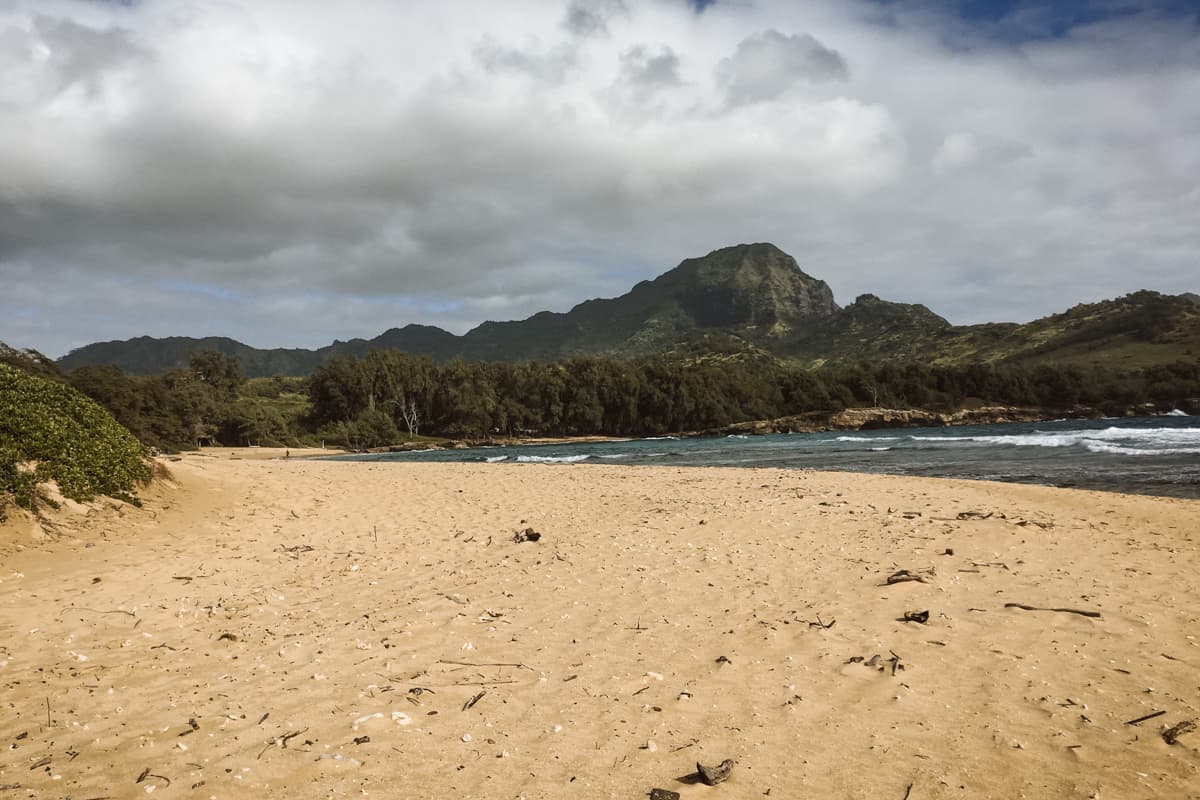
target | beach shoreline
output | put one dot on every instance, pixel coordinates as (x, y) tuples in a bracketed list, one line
[(239, 632)]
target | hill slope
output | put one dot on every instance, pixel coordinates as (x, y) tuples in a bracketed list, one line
[(752, 298)]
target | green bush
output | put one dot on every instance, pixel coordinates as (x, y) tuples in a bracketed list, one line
[(51, 432)]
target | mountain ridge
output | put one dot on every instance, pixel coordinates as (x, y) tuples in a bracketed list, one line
[(749, 297)]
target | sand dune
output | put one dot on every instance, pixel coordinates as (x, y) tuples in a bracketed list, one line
[(234, 637)]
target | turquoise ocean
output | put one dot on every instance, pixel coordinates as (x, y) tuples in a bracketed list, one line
[(1140, 455)]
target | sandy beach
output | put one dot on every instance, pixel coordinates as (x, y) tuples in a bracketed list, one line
[(270, 628)]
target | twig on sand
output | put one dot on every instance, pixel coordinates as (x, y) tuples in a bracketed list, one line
[(484, 664), (908, 791), (97, 611), (820, 624), (146, 773), (280, 741), (1140, 720), (1093, 614), (467, 705)]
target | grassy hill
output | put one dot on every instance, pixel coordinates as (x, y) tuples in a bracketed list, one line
[(752, 298)]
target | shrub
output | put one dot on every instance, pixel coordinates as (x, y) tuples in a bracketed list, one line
[(51, 432)]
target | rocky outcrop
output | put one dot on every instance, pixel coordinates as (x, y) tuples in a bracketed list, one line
[(859, 419)]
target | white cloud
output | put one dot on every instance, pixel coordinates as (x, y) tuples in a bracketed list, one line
[(768, 64), (291, 171)]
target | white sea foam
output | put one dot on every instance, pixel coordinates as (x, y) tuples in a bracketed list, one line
[(1122, 450), (552, 459), (1164, 441), (496, 459), (867, 439)]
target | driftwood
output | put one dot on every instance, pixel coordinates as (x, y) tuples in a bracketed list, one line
[(1140, 720), (1093, 614), (1172, 734)]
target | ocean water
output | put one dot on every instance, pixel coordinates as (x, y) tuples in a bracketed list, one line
[(1141, 455)]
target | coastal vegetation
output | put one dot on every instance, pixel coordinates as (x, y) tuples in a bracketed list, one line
[(389, 397), (49, 431)]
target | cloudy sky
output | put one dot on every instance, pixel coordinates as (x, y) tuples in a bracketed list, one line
[(288, 172)]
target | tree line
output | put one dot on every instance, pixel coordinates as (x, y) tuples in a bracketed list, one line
[(388, 397)]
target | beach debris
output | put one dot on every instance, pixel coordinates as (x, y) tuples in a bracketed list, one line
[(975, 515), (230, 636), (146, 773), (821, 623), (470, 703), (1150, 716), (457, 598), (663, 794), (361, 739), (526, 535), (878, 662), (915, 616), (1171, 735), (723, 660), (1093, 614), (904, 575), (949, 551), (339, 758), (193, 726), (714, 775), (364, 719)]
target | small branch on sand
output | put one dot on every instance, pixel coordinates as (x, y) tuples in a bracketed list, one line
[(95, 611), (484, 664), (474, 700), (146, 773), (1093, 614), (472, 683), (820, 624), (1140, 720)]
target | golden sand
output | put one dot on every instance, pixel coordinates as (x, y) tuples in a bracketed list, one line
[(235, 636)]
